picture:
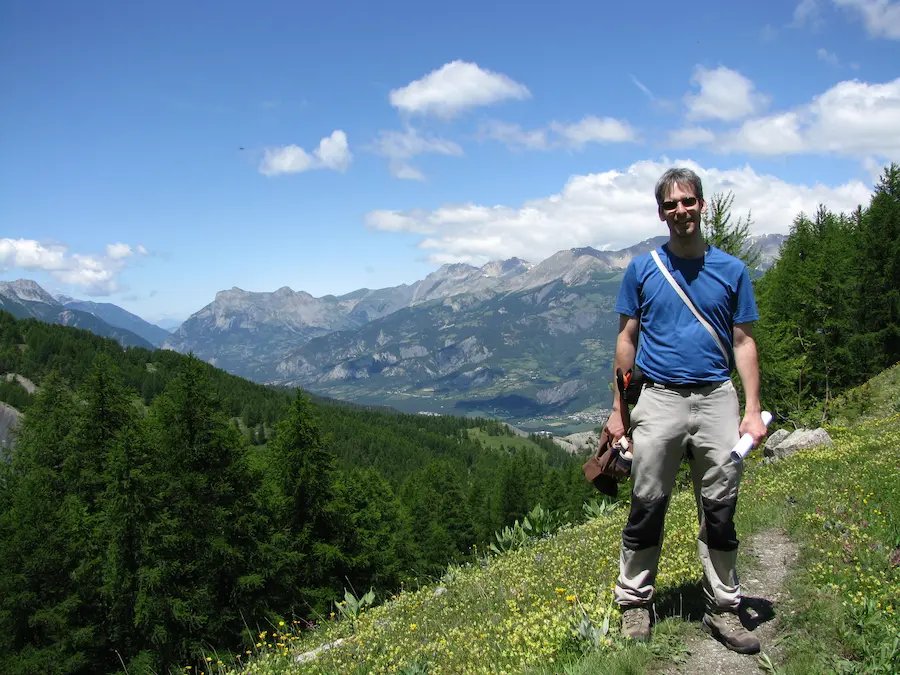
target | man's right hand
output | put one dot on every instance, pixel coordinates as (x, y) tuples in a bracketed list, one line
[(614, 425)]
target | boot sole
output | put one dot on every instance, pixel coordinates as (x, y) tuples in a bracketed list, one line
[(709, 630)]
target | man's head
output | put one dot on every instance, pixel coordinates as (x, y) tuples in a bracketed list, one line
[(679, 198)]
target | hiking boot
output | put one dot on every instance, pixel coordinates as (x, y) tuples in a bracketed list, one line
[(636, 624), (726, 627)]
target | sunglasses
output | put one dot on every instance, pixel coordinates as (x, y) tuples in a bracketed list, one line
[(687, 202)]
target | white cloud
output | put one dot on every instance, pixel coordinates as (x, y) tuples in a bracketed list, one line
[(573, 135), (404, 171), (31, 254), (594, 130), (118, 251), (455, 87), (807, 13), (514, 136), (827, 56), (688, 137), (605, 210), (853, 118), (401, 146), (880, 17), (332, 152), (773, 135), (96, 274), (724, 94)]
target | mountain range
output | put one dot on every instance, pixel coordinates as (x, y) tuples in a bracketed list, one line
[(120, 318), (510, 338), (25, 299)]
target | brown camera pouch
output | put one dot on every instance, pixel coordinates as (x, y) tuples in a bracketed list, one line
[(606, 466)]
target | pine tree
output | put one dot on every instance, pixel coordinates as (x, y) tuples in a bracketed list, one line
[(877, 276), (127, 499), (303, 554), (44, 534), (375, 531), (200, 547), (733, 238)]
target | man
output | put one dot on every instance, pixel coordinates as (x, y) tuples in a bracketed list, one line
[(688, 403)]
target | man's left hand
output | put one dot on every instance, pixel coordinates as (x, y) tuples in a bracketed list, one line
[(752, 424)]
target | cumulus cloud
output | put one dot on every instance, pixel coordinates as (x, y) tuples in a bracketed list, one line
[(333, 152), (573, 135), (853, 118), (605, 210), (96, 274), (594, 130), (455, 87), (880, 17), (401, 146), (118, 251), (724, 94)]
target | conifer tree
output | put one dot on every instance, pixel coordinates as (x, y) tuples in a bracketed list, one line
[(877, 277), (200, 545), (304, 553), (733, 238), (43, 534), (375, 531)]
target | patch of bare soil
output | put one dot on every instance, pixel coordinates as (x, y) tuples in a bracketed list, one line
[(765, 561)]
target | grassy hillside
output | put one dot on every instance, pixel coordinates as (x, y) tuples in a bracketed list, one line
[(546, 607)]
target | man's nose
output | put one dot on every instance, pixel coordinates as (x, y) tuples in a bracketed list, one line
[(679, 208)]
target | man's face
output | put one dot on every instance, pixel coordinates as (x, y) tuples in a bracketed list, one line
[(681, 211)]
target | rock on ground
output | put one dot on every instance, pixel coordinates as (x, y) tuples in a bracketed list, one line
[(9, 417), (766, 559), (774, 441), (801, 440)]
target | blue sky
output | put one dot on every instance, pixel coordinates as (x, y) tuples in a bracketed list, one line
[(152, 154)]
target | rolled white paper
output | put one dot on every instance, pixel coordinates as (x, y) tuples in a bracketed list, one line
[(745, 445)]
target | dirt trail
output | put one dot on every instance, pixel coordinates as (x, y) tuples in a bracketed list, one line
[(766, 559)]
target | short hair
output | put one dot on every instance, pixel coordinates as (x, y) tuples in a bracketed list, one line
[(680, 176)]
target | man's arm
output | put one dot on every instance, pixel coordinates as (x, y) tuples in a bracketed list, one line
[(626, 348), (747, 362)]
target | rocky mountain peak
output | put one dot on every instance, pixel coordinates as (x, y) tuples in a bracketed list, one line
[(505, 269), (26, 290), (585, 250)]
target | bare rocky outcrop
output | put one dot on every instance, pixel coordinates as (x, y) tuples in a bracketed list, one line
[(24, 382), (9, 418), (801, 439)]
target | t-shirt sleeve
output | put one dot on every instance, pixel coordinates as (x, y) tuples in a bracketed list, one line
[(629, 301), (746, 301)]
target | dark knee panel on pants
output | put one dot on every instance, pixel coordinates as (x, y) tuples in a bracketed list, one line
[(645, 523), (717, 530)]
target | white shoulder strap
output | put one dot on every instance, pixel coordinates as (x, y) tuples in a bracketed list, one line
[(687, 301)]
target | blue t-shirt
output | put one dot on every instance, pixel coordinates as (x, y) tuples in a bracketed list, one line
[(674, 347)]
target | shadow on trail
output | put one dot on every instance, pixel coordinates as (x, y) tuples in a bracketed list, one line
[(687, 601)]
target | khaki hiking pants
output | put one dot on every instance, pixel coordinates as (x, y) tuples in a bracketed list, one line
[(666, 422)]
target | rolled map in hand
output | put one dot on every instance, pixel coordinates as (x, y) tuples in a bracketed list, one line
[(745, 445)]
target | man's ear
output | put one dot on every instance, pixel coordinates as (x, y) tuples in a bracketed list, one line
[(702, 206), (659, 212)]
